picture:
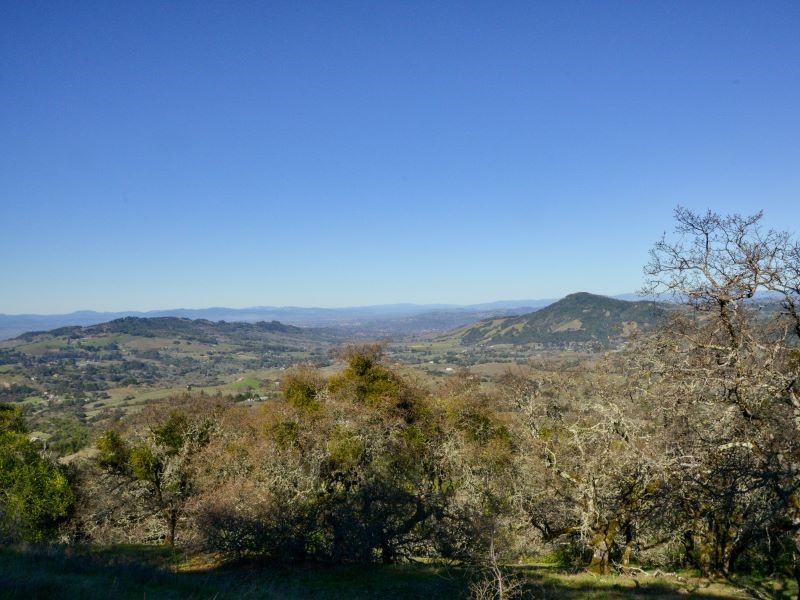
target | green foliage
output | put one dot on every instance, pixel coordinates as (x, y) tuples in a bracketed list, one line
[(301, 392), (361, 364), (35, 494), (345, 448), (11, 420), (173, 432), (365, 481), (794, 359), (481, 427), (163, 460), (367, 381), (286, 433), (70, 434), (16, 392), (114, 452), (145, 464)]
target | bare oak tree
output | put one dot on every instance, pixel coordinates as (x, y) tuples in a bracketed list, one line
[(729, 364)]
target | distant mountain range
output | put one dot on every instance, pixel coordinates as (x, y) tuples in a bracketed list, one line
[(376, 320), (380, 319), (576, 319)]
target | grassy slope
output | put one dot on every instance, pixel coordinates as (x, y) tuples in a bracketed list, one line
[(141, 572)]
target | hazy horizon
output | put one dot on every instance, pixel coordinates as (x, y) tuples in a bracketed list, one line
[(354, 154), (313, 306)]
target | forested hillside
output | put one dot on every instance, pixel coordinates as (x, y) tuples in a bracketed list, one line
[(577, 320)]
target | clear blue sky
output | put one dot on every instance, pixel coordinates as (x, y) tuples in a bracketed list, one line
[(166, 154)]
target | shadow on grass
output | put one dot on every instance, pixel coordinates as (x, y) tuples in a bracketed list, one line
[(151, 572)]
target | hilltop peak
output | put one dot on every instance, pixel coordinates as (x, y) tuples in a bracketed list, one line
[(577, 319), (590, 296), (583, 295)]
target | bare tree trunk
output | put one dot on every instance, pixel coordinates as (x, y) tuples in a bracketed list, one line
[(172, 525), (733, 556), (698, 551), (705, 560), (601, 549), (728, 556), (626, 551), (600, 556), (498, 573)]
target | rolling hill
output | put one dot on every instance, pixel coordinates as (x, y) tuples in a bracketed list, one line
[(170, 327), (73, 379), (90, 362), (577, 319)]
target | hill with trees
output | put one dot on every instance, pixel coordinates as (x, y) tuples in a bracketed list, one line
[(579, 318), (72, 378)]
